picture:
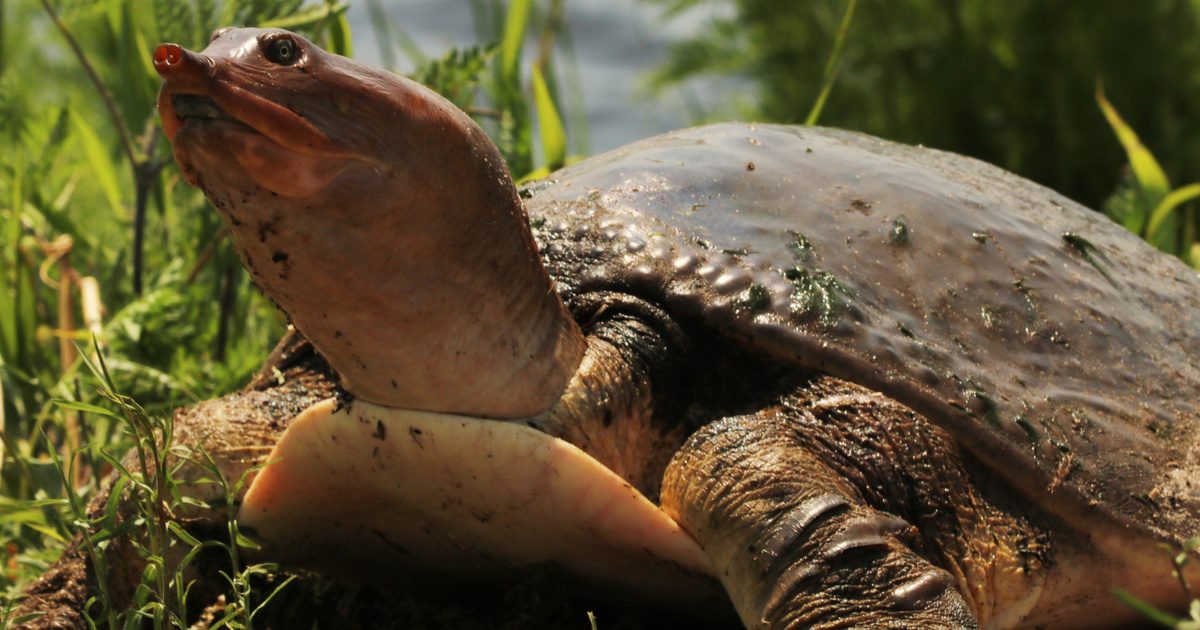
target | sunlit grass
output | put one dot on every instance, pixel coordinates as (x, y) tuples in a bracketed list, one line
[(1150, 207)]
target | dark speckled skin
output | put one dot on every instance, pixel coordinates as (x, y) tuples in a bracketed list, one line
[(1059, 349)]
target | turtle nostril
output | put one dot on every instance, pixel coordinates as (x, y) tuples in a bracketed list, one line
[(167, 55)]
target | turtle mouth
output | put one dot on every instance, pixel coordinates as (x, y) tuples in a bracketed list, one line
[(273, 146), (203, 111), (198, 107)]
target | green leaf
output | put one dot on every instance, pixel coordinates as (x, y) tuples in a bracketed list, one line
[(47, 531), (101, 160), (196, 550), (514, 36), (1168, 204), (9, 506), (535, 174), (832, 65), (1144, 608), (23, 619), (123, 472), (80, 406), (276, 591), (23, 517), (340, 39), (554, 136), (1152, 181), (113, 503), (145, 56), (245, 542), (183, 534), (145, 373), (307, 17), (105, 534)]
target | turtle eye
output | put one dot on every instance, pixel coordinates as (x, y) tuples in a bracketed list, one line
[(282, 50)]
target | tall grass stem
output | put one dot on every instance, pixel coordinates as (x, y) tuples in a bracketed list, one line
[(105, 96), (832, 65)]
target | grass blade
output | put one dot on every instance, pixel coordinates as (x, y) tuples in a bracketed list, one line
[(832, 65), (554, 136), (1144, 608), (306, 17), (1152, 181), (277, 590), (80, 406), (1169, 203), (514, 36)]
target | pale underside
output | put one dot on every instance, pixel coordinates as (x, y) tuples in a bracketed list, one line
[(462, 497)]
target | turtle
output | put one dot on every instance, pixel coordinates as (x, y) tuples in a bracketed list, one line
[(820, 378)]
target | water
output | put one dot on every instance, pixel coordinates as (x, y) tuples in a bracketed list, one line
[(616, 43)]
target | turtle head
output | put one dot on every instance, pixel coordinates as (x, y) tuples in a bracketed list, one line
[(292, 116), (378, 216)]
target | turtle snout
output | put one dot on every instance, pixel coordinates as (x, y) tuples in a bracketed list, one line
[(171, 59), (182, 67), (184, 72)]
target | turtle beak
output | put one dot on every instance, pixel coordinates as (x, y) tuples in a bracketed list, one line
[(170, 59), (183, 71)]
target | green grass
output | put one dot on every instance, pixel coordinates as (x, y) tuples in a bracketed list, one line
[(153, 487), (1146, 203)]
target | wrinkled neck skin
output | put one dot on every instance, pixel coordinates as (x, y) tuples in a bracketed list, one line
[(432, 316), (619, 407), (390, 232)]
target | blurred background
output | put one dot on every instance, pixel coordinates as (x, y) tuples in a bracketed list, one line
[(606, 53), (105, 252)]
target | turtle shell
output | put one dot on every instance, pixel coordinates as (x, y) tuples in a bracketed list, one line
[(1058, 348)]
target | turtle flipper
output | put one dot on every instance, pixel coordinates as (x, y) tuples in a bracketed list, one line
[(793, 542)]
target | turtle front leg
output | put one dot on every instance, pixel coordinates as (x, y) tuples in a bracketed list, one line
[(794, 542)]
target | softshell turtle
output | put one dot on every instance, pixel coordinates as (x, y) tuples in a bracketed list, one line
[(853, 382)]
